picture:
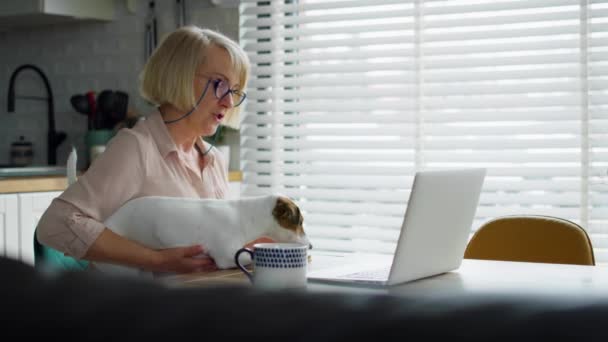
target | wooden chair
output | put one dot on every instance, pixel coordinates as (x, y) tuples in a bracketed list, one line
[(531, 238), (47, 258)]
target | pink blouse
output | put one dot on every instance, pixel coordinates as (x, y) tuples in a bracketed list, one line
[(137, 162)]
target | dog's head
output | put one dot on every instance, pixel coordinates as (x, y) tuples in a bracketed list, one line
[(288, 215)]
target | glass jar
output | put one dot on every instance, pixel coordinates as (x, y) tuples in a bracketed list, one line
[(21, 152)]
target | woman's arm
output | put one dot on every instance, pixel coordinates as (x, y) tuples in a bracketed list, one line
[(65, 228), (113, 248), (73, 224)]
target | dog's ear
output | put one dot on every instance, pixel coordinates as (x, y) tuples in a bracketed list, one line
[(287, 213)]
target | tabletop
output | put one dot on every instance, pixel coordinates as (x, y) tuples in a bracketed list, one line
[(472, 277)]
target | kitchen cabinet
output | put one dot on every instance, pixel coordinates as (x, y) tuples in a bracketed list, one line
[(19, 215), (24, 13), (9, 226), (31, 207)]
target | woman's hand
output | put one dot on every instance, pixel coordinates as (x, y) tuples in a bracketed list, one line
[(113, 248), (184, 260)]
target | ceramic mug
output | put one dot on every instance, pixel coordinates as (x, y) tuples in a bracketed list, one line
[(276, 265)]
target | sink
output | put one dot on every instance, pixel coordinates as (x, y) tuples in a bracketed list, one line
[(29, 171)]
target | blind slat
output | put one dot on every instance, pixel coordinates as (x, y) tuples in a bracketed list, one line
[(505, 18), (548, 116), (534, 128), (489, 6), (354, 143), (315, 6), (278, 21)]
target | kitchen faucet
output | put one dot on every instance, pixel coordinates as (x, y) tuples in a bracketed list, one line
[(54, 139)]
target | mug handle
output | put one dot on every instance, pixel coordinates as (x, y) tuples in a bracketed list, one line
[(241, 267)]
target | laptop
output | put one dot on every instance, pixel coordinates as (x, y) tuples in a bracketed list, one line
[(434, 233)]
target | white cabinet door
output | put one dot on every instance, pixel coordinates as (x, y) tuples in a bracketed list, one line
[(31, 207), (9, 226)]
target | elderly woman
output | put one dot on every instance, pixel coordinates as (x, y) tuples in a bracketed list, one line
[(196, 78)]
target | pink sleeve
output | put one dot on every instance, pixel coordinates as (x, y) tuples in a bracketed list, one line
[(74, 221), (65, 228)]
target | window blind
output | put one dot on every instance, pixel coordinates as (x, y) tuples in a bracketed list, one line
[(596, 125), (348, 99)]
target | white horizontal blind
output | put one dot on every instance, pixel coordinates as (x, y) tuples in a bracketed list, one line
[(501, 90), (597, 118), (349, 98), (331, 115)]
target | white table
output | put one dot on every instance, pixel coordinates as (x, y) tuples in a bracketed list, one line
[(474, 277), (493, 278)]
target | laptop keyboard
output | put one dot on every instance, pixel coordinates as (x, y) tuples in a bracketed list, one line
[(378, 274)]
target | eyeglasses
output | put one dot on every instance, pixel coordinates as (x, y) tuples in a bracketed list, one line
[(222, 88)]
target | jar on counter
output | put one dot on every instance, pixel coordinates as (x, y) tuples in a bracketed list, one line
[(96, 141), (21, 152)]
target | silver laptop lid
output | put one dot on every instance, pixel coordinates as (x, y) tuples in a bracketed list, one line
[(437, 223)]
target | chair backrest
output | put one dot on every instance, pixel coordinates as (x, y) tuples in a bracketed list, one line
[(49, 259), (532, 238)]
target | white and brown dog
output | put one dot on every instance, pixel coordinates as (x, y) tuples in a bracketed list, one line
[(220, 226)]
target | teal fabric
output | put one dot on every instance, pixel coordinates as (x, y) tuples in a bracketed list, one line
[(49, 258)]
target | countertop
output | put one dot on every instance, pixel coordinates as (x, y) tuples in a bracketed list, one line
[(33, 184), (57, 183)]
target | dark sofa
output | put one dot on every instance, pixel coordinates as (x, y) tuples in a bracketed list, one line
[(86, 306)]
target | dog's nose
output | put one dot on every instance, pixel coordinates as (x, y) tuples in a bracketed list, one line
[(309, 245)]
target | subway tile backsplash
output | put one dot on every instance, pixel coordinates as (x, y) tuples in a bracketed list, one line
[(76, 58)]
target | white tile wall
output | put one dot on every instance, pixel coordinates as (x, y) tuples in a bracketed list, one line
[(76, 58)]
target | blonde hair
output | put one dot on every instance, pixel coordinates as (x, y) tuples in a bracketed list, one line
[(168, 75)]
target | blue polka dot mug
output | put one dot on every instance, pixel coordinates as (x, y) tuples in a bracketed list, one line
[(276, 265)]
